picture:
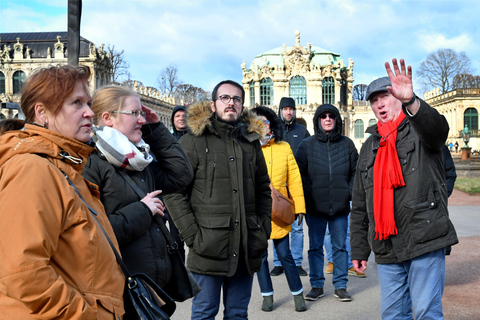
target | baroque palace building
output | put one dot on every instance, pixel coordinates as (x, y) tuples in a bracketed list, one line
[(22, 53), (312, 76)]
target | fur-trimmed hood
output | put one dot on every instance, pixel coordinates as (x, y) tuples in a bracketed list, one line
[(200, 116), (276, 126)]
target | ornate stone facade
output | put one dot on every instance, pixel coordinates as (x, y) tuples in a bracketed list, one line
[(22, 53), (310, 75)]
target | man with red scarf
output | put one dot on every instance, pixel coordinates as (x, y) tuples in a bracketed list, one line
[(399, 204)]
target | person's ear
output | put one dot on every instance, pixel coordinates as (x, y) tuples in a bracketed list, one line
[(212, 105), (41, 116), (107, 119)]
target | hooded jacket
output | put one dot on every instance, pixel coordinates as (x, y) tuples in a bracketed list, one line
[(293, 132), (55, 261), (176, 133), (227, 218), (421, 214), (327, 163), (282, 169), (142, 244)]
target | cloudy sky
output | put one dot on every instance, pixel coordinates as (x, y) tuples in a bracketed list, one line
[(209, 39)]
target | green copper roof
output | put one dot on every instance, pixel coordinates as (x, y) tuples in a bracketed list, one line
[(274, 57)]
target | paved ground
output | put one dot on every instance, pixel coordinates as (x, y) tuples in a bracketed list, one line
[(461, 298)]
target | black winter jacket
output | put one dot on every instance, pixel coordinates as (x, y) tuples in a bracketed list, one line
[(142, 244), (293, 132), (228, 217), (421, 214), (327, 163)]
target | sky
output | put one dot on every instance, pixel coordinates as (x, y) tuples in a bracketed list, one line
[(209, 39)]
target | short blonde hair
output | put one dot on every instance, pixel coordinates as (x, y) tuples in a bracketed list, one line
[(109, 99)]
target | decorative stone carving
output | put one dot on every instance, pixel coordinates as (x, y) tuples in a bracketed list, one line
[(58, 47), (28, 52), (18, 50), (101, 53), (49, 53), (5, 53), (93, 50)]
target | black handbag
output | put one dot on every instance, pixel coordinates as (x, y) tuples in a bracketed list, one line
[(182, 284), (148, 299)]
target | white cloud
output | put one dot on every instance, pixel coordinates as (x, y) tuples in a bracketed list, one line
[(433, 42)]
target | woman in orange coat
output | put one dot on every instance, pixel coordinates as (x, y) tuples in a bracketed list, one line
[(285, 177)]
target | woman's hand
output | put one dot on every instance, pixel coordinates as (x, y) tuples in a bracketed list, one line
[(150, 115), (153, 203)]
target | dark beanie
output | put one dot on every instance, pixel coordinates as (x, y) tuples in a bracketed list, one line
[(287, 102)]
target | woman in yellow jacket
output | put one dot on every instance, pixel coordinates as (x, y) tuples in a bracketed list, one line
[(283, 172)]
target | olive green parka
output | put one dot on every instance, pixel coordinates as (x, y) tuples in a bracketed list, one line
[(224, 215)]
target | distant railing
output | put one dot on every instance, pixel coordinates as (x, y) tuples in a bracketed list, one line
[(473, 133)]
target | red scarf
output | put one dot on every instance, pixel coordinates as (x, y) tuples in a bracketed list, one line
[(387, 175)]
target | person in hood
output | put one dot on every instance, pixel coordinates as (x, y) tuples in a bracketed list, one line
[(56, 262), (179, 123), (399, 205), (226, 220), (285, 177), (293, 133), (327, 163), (132, 142)]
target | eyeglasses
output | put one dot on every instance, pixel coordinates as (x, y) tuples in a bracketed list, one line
[(135, 113), (327, 115), (226, 99)]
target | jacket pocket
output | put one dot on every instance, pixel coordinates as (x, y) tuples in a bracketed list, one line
[(257, 237), (429, 217), (213, 237), (380, 247), (209, 178), (407, 158), (365, 166)]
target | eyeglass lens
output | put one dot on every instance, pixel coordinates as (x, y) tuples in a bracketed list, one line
[(330, 116)]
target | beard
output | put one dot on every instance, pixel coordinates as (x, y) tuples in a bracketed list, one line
[(229, 118)]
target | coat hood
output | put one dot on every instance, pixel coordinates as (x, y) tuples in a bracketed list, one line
[(200, 118), (276, 125), (319, 132), (44, 142), (175, 110)]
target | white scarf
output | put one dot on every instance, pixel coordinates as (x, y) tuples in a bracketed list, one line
[(119, 151)]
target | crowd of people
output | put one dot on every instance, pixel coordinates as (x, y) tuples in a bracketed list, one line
[(207, 184)]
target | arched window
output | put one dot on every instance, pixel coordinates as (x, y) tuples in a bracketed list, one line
[(328, 89), (298, 90), (266, 92), (18, 79), (2, 83), (343, 92), (252, 93), (470, 118), (371, 122), (358, 129)]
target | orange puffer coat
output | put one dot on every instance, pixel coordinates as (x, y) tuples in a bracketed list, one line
[(283, 171), (55, 262)]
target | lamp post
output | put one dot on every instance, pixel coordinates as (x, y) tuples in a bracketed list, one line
[(466, 150)]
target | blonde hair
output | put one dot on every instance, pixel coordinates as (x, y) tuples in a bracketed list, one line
[(109, 99)]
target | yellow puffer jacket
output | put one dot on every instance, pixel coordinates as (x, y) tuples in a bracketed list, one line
[(283, 171)]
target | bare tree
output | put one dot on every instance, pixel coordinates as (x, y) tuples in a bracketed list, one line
[(189, 94), (440, 67), (359, 92), (168, 79), (463, 80), (119, 69)]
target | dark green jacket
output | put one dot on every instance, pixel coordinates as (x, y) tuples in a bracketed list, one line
[(227, 217), (421, 213)]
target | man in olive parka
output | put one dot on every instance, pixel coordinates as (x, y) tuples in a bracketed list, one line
[(226, 218)]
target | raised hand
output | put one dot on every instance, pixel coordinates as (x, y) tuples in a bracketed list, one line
[(150, 115), (402, 86), (153, 203)]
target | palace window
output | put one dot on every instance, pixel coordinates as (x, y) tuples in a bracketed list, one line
[(470, 118), (328, 89), (18, 79), (252, 93), (298, 90), (266, 92), (358, 129), (371, 122), (2, 83), (343, 92)]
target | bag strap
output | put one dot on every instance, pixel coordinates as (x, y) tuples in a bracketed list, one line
[(172, 245), (95, 214)]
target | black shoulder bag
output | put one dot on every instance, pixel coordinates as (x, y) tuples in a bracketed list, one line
[(149, 300), (182, 284)]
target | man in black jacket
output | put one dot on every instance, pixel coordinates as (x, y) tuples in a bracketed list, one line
[(179, 123), (294, 133), (327, 163), (399, 205)]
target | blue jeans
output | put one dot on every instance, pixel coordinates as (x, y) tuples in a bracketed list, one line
[(316, 232), (327, 243), (417, 284), (296, 247), (291, 272), (236, 295)]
